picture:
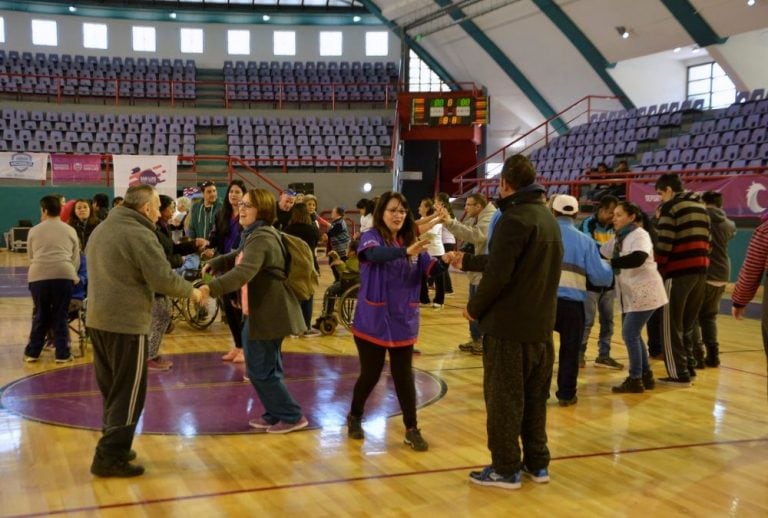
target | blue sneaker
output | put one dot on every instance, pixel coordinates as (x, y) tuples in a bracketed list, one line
[(489, 477), (540, 476)]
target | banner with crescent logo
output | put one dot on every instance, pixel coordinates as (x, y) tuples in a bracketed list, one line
[(24, 166), (75, 169), (744, 195), (158, 171)]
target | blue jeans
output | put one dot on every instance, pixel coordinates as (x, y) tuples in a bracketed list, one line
[(264, 366), (474, 327), (632, 324), (51, 301), (604, 303)]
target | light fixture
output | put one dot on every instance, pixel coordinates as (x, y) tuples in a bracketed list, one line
[(72, 8), (623, 32), (367, 187), (677, 49), (356, 19), (695, 49), (265, 17), (750, 2), (172, 16)]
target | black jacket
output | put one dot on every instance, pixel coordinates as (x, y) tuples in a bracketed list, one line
[(173, 252), (517, 297)]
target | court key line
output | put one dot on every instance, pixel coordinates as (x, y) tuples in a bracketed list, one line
[(377, 477)]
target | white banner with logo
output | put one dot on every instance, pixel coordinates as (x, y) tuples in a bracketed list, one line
[(158, 171), (23, 166)]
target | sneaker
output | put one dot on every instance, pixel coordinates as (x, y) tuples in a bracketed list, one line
[(121, 468), (414, 439), (489, 477), (712, 360), (467, 346), (648, 382), (416, 351), (260, 424), (540, 476), (65, 360), (675, 382), (355, 427), (311, 333), (629, 386), (477, 348), (437, 306), (608, 363), (131, 456), (31, 359), (158, 364), (283, 427), (568, 402)]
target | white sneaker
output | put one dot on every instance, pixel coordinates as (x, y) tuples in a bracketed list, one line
[(437, 306)]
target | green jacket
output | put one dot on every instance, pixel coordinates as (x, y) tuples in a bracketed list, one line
[(273, 311), (126, 267)]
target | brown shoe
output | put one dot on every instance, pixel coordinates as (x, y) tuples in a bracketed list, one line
[(158, 364)]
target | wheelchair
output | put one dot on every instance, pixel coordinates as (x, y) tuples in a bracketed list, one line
[(76, 317), (197, 316), (343, 312)]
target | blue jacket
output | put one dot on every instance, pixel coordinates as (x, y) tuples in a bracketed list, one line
[(581, 261)]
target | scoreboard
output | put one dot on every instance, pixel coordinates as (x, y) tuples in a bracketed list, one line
[(447, 110)]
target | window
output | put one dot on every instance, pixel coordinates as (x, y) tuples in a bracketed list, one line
[(144, 39), (421, 78), (377, 43), (238, 42), (44, 32), (94, 36), (2, 30), (284, 43), (191, 41), (330, 43), (710, 83)]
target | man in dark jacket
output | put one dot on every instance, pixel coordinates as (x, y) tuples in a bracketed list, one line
[(515, 304)]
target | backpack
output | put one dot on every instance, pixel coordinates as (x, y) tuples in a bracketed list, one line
[(301, 277)]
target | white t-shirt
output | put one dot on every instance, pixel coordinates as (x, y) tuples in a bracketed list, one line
[(640, 289), (435, 235), (366, 222)]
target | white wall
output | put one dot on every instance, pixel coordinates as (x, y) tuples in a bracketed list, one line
[(18, 36), (740, 56)]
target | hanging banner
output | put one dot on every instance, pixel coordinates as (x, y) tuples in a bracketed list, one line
[(75, 169), (23, 166), (743, 195), (158, 171)]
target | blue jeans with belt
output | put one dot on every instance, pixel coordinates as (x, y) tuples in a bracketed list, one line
[(631, 326)]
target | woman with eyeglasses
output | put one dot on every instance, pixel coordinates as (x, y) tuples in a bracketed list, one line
[(270, 309), (392, 265), (224, 237)]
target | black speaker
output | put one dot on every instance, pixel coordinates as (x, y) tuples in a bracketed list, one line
[(303, 188)]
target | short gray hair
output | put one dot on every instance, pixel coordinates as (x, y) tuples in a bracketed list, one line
[(138, 196)]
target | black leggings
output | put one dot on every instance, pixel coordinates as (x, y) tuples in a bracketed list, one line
[(371, 364)]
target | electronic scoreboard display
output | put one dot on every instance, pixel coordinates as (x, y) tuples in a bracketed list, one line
[(449, 111)]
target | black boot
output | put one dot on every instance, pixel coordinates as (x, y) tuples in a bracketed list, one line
[(630, 385), (355, 425), (713, 356), (698, 355), (649, 383)]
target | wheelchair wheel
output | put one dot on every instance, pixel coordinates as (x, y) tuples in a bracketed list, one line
[(200, 316), (345, 306), (328, 325)]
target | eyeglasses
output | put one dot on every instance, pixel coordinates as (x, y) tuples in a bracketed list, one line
[(402, 212), (245, 205)]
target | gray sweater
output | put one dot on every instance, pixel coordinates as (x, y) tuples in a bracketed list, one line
[(53, 251), (476, 232), (126, 267), (273, 311)]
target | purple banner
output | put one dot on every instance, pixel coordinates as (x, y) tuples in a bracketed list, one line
[(75, 169), (743, 195)]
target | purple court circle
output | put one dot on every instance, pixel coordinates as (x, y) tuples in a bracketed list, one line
[(203, 395)]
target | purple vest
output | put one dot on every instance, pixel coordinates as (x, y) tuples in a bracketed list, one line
[(387, 309)]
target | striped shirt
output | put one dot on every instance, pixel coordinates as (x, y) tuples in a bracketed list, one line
[(683, 237), (755, 265)]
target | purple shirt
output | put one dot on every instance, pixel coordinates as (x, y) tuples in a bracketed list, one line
[(387, 309)]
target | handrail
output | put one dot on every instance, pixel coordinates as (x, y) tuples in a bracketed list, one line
[(460, 178)]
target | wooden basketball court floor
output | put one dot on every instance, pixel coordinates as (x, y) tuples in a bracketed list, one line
[(699, 451)]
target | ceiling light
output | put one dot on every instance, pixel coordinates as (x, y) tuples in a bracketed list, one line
[(72, 8), (173, 16), (265, 17), (677, 49), (750, 2), (367, 187), (623, 32), (695, 49), (356, 19)]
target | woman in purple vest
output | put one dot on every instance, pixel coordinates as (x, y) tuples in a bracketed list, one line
[(392, 264)]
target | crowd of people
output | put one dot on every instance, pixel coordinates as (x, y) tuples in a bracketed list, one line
[(531, 271)]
